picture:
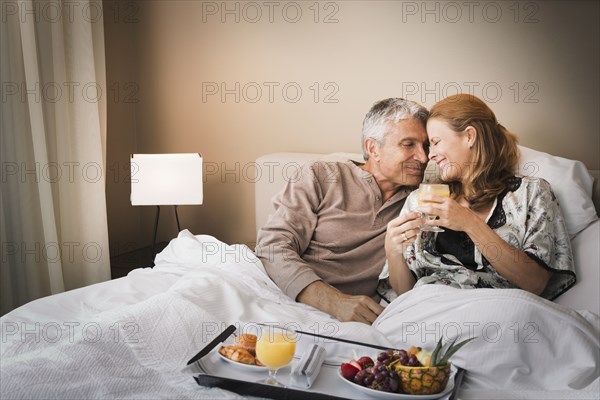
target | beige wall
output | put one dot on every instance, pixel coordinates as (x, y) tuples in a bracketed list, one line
[(121, 81), (535, 63)]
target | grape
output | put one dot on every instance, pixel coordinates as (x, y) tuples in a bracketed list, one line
[(368, 380), (383, 356), (387, 385), (384, 387), (394, 385), (360, 375), (387, 362), (404, 360), (412, 361), (379, 377)]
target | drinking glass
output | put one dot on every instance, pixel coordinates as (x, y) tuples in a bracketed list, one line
[(275, 349), (431, 188)]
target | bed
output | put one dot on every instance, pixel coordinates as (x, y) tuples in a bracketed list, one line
[(131, 337)]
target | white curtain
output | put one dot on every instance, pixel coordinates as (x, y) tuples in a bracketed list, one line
[(54, 234)]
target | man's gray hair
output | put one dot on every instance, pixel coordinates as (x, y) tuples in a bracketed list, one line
[(384, 111)]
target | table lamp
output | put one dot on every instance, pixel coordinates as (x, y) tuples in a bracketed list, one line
[(166, 179)]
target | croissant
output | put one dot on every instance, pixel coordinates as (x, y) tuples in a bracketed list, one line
[(238, 354), (248, 342)]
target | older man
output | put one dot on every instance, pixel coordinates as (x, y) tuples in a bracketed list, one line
[(324, 245)]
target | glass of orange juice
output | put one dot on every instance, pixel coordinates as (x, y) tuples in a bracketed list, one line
[(275, 349), (438, 189)]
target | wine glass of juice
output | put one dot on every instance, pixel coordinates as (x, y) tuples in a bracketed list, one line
[(275, 349), (431, 188)]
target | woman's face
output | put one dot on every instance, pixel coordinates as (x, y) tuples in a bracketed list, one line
[(449, 149)]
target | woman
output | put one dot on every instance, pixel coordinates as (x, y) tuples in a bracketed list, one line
[(501, 231)]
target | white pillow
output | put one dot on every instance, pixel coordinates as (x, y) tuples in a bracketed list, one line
[(570, 181), (585, 295)]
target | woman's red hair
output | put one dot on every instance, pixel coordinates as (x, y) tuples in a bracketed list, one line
[(495, 152)]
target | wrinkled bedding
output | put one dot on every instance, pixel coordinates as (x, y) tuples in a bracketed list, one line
[(131, 337)]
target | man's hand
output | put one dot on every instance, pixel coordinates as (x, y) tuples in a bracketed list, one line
[(341, 306)]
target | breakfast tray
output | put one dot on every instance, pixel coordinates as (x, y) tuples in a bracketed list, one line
[(214, 371), (259, 390)]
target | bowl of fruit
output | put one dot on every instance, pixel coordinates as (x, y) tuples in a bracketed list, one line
[(424, 372), (394, 373)]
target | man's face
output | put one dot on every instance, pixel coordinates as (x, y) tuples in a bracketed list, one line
[(402, 157)]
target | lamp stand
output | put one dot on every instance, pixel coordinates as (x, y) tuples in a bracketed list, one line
[(156, 228), (177, 219)]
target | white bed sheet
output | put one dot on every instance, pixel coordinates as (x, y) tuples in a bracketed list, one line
[(130, 338)]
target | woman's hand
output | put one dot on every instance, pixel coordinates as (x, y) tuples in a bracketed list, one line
[(450, 213), (514, 265)]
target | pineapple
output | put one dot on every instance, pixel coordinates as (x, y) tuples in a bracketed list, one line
[(433, 374), (423, 380)]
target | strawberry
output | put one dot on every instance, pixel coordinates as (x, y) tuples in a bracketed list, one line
[(356, 365), (365, 362), (349, 370)]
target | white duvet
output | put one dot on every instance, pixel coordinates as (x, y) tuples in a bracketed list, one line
[(130, 338)]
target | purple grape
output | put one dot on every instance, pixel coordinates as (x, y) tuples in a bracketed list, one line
[(383, 356), (412, 360), (379, 377), (368, 380), (360, 375), (394, 385), (384, 388)]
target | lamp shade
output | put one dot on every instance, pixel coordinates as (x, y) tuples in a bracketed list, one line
[(166, 179)]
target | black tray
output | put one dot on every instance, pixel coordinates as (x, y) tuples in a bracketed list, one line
[(274, 392), (259, 390)]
